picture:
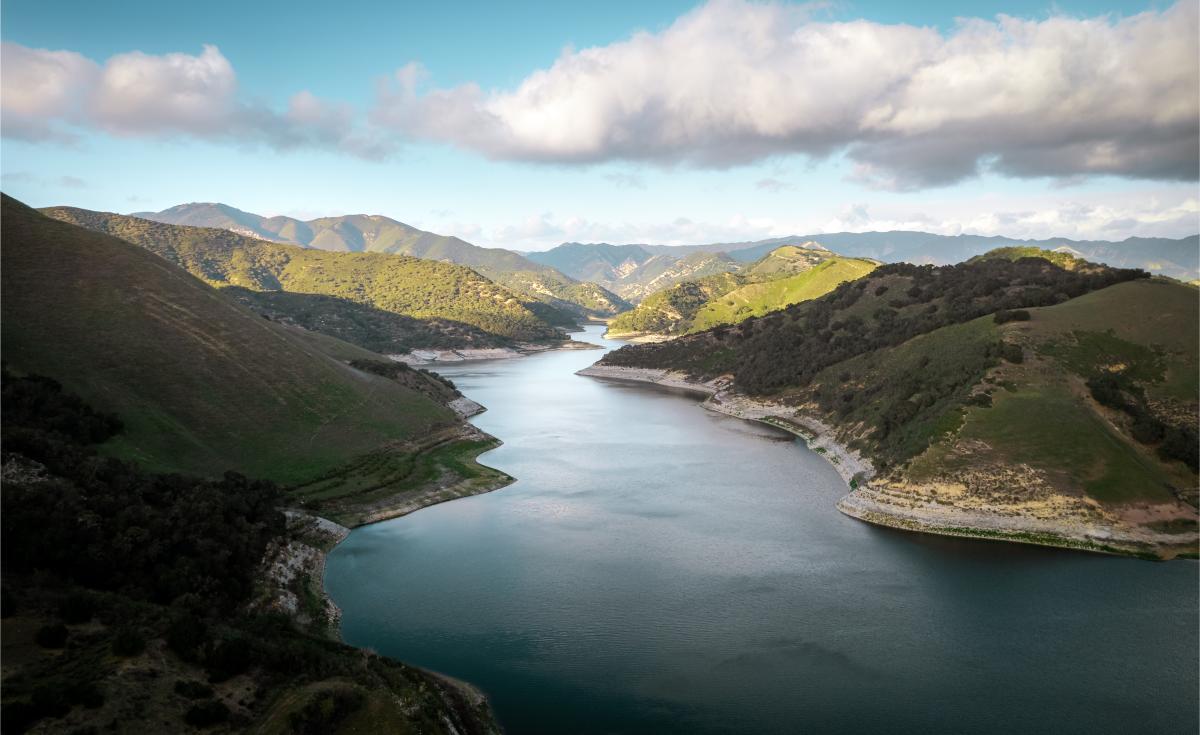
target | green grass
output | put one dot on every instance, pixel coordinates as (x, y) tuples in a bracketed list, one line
[(756, 299), (1158, 314), (201, 384), (399, 284), (443, 471), (1049, 429)]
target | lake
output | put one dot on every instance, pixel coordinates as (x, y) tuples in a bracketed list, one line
[(658, 568)]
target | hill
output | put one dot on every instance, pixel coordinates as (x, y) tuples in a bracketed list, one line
[(1001, 398), (201, 384), (785, 276), (374, 233), (756, 299), (371, 299), (167, 603), (1177, 258)]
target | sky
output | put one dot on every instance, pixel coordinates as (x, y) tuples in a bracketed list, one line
[(527, 125)]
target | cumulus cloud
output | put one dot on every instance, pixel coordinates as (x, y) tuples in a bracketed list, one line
[(733, 82), (54, 95)]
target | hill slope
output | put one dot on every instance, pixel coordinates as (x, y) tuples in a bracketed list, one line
[(1004, 399), (1177, 258), (460, 307), (374, 233), (201, 384), (785, 276)]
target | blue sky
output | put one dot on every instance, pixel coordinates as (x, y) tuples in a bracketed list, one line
[(520, 186)]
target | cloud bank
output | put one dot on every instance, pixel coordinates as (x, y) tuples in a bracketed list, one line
[(727, 84), (56, 95), (732, 83)]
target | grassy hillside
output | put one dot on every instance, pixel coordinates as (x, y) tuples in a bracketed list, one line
[(201, 384), (785, 276), (167, 603), (459, 303), (756, 299), (672, 310), (379, 234), (789, 260), (996, 384)]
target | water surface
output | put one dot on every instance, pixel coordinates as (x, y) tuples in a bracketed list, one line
[(658, 568)]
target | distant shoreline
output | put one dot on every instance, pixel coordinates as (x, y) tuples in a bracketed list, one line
[(424, 357)]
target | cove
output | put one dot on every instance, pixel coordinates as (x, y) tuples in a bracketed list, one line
[(657, 568)]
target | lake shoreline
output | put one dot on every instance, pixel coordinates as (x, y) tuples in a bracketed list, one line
[(1088, 528), (427, 357)]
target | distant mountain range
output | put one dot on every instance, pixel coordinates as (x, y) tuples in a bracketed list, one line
[(629, 270), (372, 233)]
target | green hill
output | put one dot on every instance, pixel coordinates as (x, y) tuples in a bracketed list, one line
[(201, 384), (460, 307), (756, 299), (1008, 397), (672, 310), (785, 276), (378, 234), (789, 260)]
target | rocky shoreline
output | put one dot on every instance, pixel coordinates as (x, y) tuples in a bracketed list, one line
[(1051, 519)]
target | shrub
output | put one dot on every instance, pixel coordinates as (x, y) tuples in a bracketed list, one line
[(1016, 315), (77, 608), (193, 689), (207, 714), (128, 641), (52, 636)]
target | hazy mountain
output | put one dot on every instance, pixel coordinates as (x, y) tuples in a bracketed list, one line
[(374, 233), (1178, 258)]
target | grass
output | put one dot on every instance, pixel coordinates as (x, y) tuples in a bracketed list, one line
[(408, 476), (1157, 314), (399, 284), (202, 385), (1048, 428), (756, 299)]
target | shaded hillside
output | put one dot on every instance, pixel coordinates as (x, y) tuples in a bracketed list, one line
[(895, 303), (201, 384), (672, 311), (378, 234), (442, 293), (159, 603)]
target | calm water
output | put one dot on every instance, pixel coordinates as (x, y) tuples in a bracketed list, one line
[(661, 569)]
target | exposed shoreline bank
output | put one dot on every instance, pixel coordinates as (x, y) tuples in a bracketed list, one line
[(434, 357), (1065, 522)]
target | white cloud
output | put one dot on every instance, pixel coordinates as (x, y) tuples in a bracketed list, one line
[(1169, 212), (734, 82), (53, 95)]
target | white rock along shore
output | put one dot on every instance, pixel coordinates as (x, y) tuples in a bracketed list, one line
[(1053, 519), (431, 357), (853, 467)]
